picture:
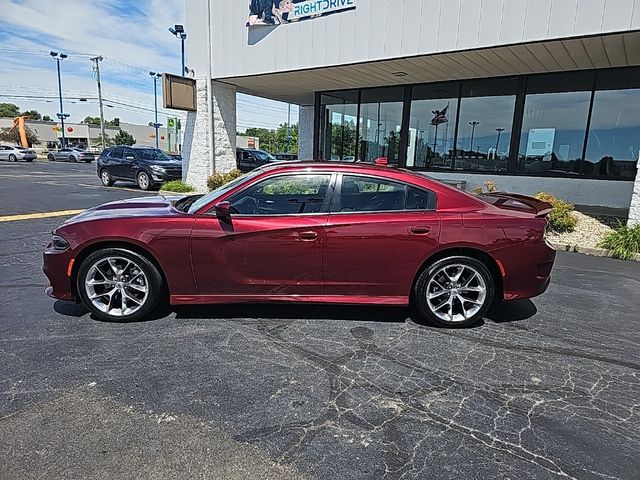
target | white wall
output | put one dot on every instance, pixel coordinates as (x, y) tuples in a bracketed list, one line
[(380, 29), (580, 191)]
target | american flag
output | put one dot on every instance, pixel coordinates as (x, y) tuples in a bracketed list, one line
[(439, 116)]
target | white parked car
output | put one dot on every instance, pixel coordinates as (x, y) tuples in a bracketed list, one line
[(14, 153)]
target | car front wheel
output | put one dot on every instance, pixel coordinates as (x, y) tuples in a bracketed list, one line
[(119, 285), (454, 291), (105, 178), (51, 158), (144, 182), (72, 159), (12, 158)]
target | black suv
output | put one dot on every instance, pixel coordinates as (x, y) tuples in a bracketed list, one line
[(146, 166), (249, 158)]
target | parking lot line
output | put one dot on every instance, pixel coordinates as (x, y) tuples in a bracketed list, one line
[(31, 216)]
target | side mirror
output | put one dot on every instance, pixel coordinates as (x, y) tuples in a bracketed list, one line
[(223, 211)]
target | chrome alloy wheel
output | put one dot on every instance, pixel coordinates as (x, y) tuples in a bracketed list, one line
[(456, 293), (116, 286), (104, 176)]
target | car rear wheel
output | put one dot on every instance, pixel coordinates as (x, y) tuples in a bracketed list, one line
[(12, 158), (72, 159), (51, 158), (454, 291), (144, 182), (105, 178), (118, 285)]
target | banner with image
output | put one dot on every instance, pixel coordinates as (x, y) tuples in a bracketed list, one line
[(276, 12)]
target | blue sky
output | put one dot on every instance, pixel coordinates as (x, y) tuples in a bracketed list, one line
[(132, 37)]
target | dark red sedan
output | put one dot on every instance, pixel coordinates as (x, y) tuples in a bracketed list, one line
[(306, 232)]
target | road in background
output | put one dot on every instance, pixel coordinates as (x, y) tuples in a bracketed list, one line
[(543, 389)]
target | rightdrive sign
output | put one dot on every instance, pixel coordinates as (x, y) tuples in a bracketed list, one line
[(319, 7)]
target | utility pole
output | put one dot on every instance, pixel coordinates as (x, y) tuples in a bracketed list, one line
[(96, 69), (289, 128), (156, 125)]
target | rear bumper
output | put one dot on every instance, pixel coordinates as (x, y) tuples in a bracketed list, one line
[(55, 267), (527, 270)]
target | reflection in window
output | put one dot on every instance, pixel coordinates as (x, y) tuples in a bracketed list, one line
[(484, 129), (553, 130), (614, 134), (338, 126), (432, 126), (380, 121)]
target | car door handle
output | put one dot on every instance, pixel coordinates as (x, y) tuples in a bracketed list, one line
[(309, 235), (419, 230)]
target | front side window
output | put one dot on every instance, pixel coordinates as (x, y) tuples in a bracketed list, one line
[(370, 194), (283, 195)]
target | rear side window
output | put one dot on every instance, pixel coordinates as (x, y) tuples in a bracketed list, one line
[(370, 194), (283, 195), (117, 152)]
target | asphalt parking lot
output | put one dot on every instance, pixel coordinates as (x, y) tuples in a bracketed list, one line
[(548, 388)]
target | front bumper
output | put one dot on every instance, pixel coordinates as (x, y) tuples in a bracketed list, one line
[(28, 156), (55, 267), (165, 176)]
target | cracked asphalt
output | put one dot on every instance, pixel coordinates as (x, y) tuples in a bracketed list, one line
[(542, 389)]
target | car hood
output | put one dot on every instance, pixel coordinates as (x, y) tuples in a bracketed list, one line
[(153, 206)]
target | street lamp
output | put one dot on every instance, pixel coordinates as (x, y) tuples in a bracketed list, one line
[(61, 115), (499, 130), (178, 31), (473, 130), (156, 125)]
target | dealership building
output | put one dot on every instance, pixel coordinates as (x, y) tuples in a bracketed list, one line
[(535, 95)]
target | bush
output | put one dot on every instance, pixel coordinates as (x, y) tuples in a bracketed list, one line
[(560, 219), (218, 179), (623, 242), (177, 186), (489, 187)]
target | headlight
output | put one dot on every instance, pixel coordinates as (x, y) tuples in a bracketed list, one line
[(156, 168), (59, 243)]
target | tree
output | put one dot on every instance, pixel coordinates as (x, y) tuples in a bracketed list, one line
[(112, 123), (32, 114), (46, 118), (9, 110), (13, 136), (275, 141), (97, 142), (124, 138), (91, 120)]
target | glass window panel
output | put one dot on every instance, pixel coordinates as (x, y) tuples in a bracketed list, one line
[(380, 122), (614, 135), (553, 130), (432, 126), (367, 194), (339, 112)]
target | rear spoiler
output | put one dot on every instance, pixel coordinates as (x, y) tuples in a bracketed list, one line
[(514, 201)]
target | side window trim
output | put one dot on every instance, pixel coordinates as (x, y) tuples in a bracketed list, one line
[(336, 201), (324, 210)]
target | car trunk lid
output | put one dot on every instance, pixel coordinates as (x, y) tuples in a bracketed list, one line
[(516, 202)]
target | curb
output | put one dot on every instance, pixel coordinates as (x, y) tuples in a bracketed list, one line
[(594, 251)]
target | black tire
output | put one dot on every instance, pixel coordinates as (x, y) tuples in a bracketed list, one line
[(87, 161), (105, 178), (155, 284), (144, 181), (72, 158), (29, 160), (51, 158), (464, 313), (12, 158)]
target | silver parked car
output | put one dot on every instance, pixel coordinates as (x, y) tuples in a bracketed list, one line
[(14, 153), (71, 155)]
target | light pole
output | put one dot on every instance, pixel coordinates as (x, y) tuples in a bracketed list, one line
[(178, 31), (473, 130), (156, 125), (499, 130), (61, 115), (289, 128)]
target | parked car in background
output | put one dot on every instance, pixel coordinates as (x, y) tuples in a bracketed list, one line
[(146, 166), (72, 154), (177, 156), (286, 156), (314, 232), (13, 153), (249, 158)]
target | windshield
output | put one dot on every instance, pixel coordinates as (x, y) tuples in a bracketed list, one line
[(262, 155), (202, 201), (152, 154)]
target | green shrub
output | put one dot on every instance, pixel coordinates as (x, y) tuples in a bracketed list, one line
[(489, 187), (623, 242), (177, 186), (560, 219), (218, 179)]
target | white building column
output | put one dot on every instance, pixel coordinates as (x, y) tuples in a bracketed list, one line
[(209, 144), (305, 132), (634, 208)]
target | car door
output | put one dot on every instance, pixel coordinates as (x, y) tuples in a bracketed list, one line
[(61, 155), (130, 163), (116, 163), (378, 234), (4, 152), (273, 244), (246, 162)]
